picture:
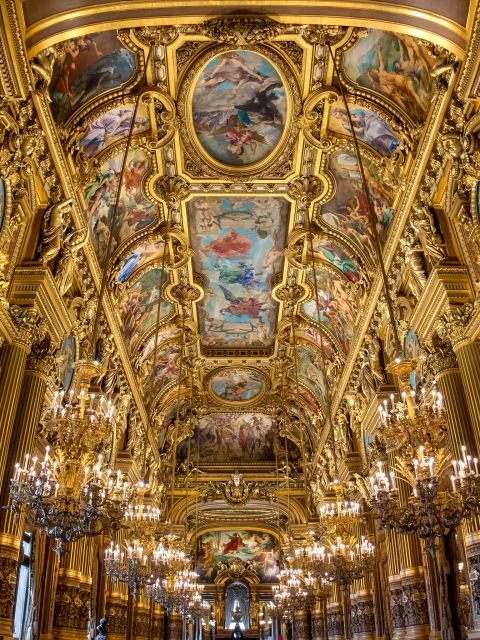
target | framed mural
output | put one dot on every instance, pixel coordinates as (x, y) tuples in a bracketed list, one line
[(347, 210), (134, 211), (234, 438), (238, 244), (67, 360), (333, 253), (236, 384), (138, 309), (148, 251), (396, 66), (217, 547), (336, 303), (239, 108), (87, 67), (113, 126), (368, 126)]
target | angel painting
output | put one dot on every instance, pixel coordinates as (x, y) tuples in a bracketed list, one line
[(239, 108)]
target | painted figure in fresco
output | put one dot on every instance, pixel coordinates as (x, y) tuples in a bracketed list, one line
[(395, 65), (86, 67), (370, 128), (113, 125), (235, 541), (238, 245), (231, 245), (239, 106), (232, 69), (340, 260)]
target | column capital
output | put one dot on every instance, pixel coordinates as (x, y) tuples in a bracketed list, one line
[(41, 359), (29, 325), (452, 326), (442, 359)]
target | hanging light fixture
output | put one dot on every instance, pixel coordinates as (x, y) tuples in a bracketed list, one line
[(72, 492)]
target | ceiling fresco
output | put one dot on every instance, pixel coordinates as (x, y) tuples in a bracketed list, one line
[(134, 212), (396, 66), (113, 126), (240, 142), (239, 108), (238, 246), (87, 67)]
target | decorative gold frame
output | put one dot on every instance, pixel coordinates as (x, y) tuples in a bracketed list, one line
[(271, 165)]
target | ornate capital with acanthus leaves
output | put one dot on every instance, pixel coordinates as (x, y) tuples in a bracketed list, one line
[(41, 359), (31, 327), (441, 360), (452, 326)]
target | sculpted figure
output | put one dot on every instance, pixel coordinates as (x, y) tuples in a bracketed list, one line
[(66, 265), (53, 228)]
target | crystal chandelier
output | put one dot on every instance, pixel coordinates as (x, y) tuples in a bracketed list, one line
[(132, 567), (71, 492), (444, 493), (341, 515)]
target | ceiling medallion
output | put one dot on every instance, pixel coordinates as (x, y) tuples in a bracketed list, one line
[(236, 385), (239, 106)]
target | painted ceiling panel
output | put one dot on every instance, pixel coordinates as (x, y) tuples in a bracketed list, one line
[(396, 66), (113, 126), (257, 548), (238, 244), (134, 212), (336, 303), (88, 66), (347, 211), (239, 108), (369, 127)]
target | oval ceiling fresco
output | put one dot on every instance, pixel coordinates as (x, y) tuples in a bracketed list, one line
[(239, 108), (236, 384)]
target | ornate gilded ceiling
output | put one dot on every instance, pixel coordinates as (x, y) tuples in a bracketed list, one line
[(241, 143)]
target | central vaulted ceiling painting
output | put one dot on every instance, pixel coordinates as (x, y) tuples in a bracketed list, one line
[(238, 246)]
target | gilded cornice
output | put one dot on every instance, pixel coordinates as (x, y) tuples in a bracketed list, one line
[(45, 25)]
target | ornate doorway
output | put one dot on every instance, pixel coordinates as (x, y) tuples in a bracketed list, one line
[(237, 596)]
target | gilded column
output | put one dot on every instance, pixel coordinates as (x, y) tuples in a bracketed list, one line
[(456, 388), (174, 626), (72, 599), (22, 387), (335, 626), (318, 623)]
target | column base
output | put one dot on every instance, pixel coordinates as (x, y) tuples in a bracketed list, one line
[(417, 632)]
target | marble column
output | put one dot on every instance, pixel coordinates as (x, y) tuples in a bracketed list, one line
[(335, 626), (363, 615), (301, 625), (22, 391)]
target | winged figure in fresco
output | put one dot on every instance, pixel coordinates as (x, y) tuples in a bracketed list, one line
[(261, 107), (250, 307), (239, 136), (231, 245)]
